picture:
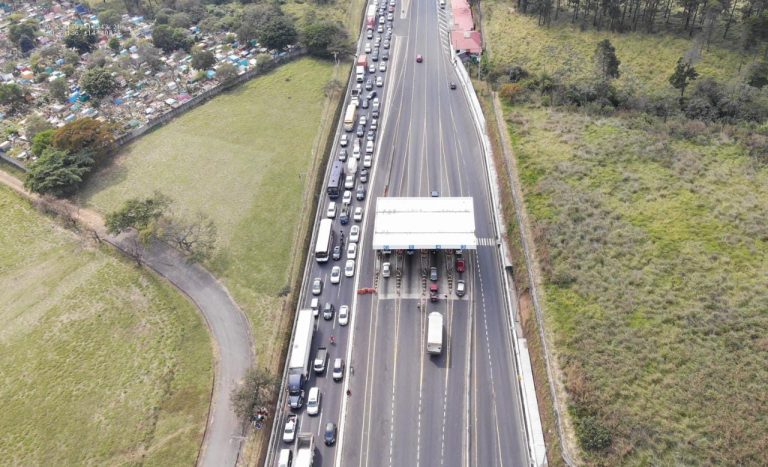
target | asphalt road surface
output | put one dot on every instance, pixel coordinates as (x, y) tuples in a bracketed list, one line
[(407, 408)]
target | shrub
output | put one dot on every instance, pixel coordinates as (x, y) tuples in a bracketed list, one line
[(593, 435), (512, 92)]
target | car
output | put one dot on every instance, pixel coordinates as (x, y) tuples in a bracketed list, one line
[(313, 401), (379, 81), (367, 47), (433, 293), (344, 313), (347, 198), (385, 44), (349, 268), (357, 89), (376, 103), (433, 274), (370, 136), (381, 20), (335, 275), (344, 215), (364, 176), (336, 255), (372, 68), (369, 34), (343, 154), (369, 147), (382, 65), (368, 84), (452, 85), (375, 113), (354, 234), (371, 95), (377, 42), (349, 181), (363, 120), (435, 193), (360, 193), (314, 305), (391, 9), (419, 58), (390, 16), (328, 310), (317, 286), (331, 212), (380, 29), (374, 124), (289, 429), (330, 434), (364, 104), (375, 56), (352, 250), (367, 160), (460, 265), (385, 270), (343, 141), (461, 288), (321, 360), (385, 55), (338, 369), (360, 131)]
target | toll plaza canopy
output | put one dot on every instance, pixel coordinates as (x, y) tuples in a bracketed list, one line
[(424, 224)]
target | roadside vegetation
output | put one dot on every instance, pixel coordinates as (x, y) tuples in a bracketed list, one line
[(643, 164), (243, 161), (100, 362)]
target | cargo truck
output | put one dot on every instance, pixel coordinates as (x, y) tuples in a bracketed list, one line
[(435, 333), (370, 16), (361, 66), (298, 364), (305, 450)]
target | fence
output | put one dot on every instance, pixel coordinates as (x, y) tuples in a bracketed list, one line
[(260, 68)]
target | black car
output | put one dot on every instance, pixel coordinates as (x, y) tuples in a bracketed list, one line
[(364, 176), (375, 113), (330, 434), (371, 95), (344, 216), (452, 85), (336, 253), (328, 310), (360, 194)]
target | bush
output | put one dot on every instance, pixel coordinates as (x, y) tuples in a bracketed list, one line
[(593, 435), (513, 93), (98, 82), (58, 172)]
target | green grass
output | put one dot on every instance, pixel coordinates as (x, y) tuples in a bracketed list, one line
[(654, 249), (100, 363), (243, 159), (564, 50)]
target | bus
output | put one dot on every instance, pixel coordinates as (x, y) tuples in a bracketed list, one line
[(349, 117), (324, 241), (336, 179)]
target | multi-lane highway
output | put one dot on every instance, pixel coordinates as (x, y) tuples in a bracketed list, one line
[(404, 407)]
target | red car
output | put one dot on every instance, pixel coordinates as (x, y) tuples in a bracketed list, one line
[(419, 58), (460, 265), (433, 292)]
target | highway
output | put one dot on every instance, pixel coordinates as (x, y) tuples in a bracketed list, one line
[(404, 407)]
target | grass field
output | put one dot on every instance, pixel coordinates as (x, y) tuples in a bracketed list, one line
[(653, 241), (100, 363), (243, 159), (563, 50)]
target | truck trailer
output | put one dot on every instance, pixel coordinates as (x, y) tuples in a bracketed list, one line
[(305, 450), (298, 364), (435, 333)]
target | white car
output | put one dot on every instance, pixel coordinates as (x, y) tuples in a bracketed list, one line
[(356, 149), (349, 182), (367, 160), (385, 270), (313, 401), (372, 68), (335, 275), (343, 315), (354, 234), (349, 268), (347, 199), (383, 67), (289, 432), (331, 213), (352, 250), (363, 120), (380, 29), (344, 141), (367, 47), (358, 215), (379, 81)]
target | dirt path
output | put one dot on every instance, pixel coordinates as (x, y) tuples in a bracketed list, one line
[(227, 324)]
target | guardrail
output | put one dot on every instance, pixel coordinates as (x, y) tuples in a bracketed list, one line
[(529, 406)]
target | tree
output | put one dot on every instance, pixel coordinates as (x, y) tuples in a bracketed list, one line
[(98, 82), (169, 39), (757, 74), (57, 172), (81, 39), (150, 55), (202, 59), (226, 72), (114, 44), (36, 123), (86, 134), (180, 20), (23, 35), (682, 76), (257, 391), (12, 94), (278, 32), (139, 214), (606, 62), (42, 141), (194, 236), (325, 38), (109, 18), (58, 89)]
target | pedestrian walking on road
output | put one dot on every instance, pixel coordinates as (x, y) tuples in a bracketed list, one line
[(349, 392)]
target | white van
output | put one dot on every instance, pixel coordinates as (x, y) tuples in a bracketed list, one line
[(285, 459), (442, 3), (369, 147), (313, 401)]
